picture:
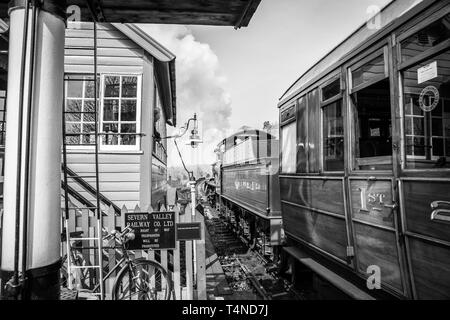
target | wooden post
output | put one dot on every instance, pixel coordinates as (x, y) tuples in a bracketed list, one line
[(176, 263), (110, 223), (201, 260), (189, 268)]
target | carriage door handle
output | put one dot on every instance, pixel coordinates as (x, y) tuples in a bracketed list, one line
[(440, 215), (391, 206)]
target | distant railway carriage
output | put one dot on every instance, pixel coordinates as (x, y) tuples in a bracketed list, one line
[(249, 185), (365, 157)]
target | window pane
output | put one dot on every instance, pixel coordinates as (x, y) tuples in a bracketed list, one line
[(368, 71), (88, 117), (110, 139), (128, 112), (129, 87), (302, 135), (110, 127), (373, 136), (73, 105), (88, 128), (111, 110), (427, 142), (288, 135), (333, 133), (438, 147), (75, 89), (89, 106), (73, 139), (426, 38), (331, 90), (89, 87), (73, 127), (112, 86), (73, 117)]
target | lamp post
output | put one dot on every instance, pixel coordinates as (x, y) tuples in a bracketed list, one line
[(194, 141)]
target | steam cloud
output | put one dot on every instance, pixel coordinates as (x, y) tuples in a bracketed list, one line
[(200, 89)]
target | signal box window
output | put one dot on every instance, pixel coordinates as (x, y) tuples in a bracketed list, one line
[(120, 112), (80, 109), (426, 102)]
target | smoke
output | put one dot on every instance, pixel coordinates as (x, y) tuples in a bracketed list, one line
[(200, 89)]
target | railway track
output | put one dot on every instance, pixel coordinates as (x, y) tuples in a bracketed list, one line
[(247, 272)]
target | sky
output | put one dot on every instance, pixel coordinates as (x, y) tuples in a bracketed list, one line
[(232, 78)]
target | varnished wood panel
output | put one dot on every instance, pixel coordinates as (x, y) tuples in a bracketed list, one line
[(248, 186), (418, 196), (323, 231), (368, 200), (319, 194), (313, 131), (378, 247), (430, 266)]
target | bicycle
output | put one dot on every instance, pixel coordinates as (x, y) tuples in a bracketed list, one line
[(138, 279)]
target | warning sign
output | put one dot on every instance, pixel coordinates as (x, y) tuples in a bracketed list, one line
[(154, 230), (427, 72)]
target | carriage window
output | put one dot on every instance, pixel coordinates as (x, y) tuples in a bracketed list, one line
[(426, 38), (426, 101), (368, 72), (373, 138), (331, 90), (288, 157), (333, 137)]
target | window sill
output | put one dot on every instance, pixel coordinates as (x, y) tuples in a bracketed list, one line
[(91, 150)]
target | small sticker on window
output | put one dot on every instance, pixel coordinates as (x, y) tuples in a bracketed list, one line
[(427, 72), (375, 132)]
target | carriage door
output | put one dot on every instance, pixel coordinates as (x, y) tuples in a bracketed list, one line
[(372, 191), (424, 70)]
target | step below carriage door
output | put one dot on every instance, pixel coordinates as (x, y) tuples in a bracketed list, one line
[(424, 69), (371, 183)]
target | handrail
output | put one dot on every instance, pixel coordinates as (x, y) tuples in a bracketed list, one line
[(90, 189)]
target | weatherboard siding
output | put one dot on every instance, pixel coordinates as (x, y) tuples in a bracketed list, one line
[(119, 175), (115, 52)]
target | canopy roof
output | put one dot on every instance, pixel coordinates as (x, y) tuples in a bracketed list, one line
[(237, 13)]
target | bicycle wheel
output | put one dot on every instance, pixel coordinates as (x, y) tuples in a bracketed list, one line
[(142, 280)]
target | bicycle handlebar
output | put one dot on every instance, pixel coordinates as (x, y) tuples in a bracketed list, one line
[(126, 235)]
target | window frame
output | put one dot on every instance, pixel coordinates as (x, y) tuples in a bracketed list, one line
[(381, 49), (323, 105), (137, 146), (79, 146), (424, 56), (414, 29), (384, 51), (291, 120)]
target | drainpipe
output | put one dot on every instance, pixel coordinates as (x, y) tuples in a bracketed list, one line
[(33, 151)]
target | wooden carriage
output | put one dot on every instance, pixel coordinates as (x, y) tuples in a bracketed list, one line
[(364, 162)]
